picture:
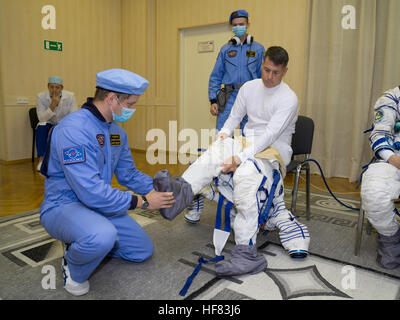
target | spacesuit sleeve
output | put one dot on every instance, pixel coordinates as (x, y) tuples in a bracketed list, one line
[(128, 175), (279, 122), (216, 77), (83, 175), (382, 139)]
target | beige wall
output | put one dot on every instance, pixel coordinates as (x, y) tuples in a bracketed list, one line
[(90, 31), (139, 35), (155, 52)]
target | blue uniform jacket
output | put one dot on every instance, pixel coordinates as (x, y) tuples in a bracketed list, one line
[(236, 64), (84, 152)]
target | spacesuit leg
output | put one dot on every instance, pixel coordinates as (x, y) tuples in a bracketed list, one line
[(380, 187), (195, 209), (294, 235), (245, 258), (91, 237), (196, 177)]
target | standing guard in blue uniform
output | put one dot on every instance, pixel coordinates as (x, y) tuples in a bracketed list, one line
[(238, 61), (80, 208)]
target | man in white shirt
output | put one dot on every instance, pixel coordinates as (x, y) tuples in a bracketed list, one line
[(51, 107), (250, 172)]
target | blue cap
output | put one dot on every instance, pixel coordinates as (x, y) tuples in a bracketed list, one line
[(238, 14), (57, 80), (121, 81)]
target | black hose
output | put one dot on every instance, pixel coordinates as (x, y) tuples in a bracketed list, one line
[(326, 184)]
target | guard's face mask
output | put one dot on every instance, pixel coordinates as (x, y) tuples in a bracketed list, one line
[(239, 30), (126, 114)]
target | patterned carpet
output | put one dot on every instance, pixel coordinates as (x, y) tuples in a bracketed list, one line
[(30, 262)]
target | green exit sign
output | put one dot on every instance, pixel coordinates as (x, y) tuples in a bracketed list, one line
[(53, 45)]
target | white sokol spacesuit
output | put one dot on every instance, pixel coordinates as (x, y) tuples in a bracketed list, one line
[(272, 114), (381, 182)]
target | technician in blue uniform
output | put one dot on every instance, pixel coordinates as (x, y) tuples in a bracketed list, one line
[(238, 62), (80, 208)]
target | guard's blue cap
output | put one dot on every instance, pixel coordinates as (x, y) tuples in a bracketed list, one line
[(57, 80), (121, 81), (238, 14)]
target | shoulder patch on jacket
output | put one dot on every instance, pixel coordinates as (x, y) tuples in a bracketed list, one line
[(73, 155), (232, 53)]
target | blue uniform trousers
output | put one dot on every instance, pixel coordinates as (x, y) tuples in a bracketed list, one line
[(223, 116), (94, 236)]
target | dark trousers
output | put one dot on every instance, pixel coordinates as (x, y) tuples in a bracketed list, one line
[(41, 134)]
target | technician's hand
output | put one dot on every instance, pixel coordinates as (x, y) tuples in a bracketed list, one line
[(231, 164), (395, 161), (160, 200), (214, 109)]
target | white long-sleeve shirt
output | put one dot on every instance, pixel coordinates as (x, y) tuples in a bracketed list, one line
[(272, 114), (67, 105)]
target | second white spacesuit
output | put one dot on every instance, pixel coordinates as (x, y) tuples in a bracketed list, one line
[(381, 182)]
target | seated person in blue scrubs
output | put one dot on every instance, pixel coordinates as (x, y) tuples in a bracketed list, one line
[(80, 208)]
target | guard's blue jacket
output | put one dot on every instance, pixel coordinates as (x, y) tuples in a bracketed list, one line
[(236, 64), (83, 153)]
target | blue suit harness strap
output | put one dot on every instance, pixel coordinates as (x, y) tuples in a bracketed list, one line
[(264, 208), (218, 225)]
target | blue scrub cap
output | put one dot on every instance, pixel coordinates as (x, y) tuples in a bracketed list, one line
[(238, 14), (57, 80), (121, 81)]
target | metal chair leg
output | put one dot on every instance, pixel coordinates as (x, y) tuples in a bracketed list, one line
[(368, 228), (359, 231), (308, 182), (33, 146), (295, 189)]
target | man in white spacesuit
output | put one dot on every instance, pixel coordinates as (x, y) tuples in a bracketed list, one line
[(381, 182), (80, 208), (252, 169)]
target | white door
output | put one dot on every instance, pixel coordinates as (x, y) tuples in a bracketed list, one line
[(199, 48)]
